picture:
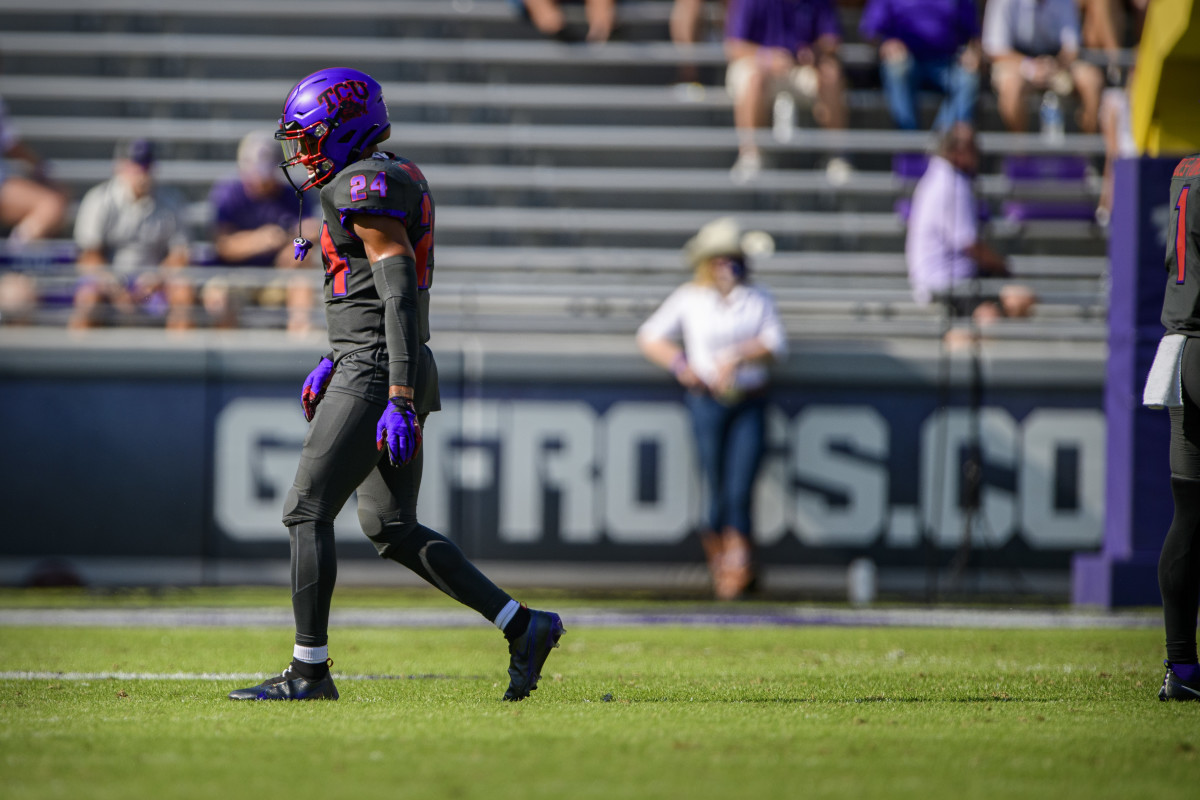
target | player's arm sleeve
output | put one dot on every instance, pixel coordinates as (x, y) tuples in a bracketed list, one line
[(396, 283)]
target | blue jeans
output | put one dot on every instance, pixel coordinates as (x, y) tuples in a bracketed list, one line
[(729, 440), (903, 79)]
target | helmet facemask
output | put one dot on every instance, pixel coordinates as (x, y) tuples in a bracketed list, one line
[(305, 147)]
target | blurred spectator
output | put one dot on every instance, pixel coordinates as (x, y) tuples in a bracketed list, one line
[(926, 43), (1116, 124), (547, 17), (687, 17), (1109, 25), (1034, 44), (781, 52), (717, 335), (18, 297), (125, 226), (30, 207), (254, 217), (943, 248)]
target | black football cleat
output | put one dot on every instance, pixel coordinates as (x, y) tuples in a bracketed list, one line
[(1175, 688), (527, 653), (289, 686)]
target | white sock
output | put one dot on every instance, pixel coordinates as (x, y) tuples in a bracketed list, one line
[(311, 655), (506, 614)]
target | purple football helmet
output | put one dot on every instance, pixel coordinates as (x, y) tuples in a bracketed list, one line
[(329, 118)]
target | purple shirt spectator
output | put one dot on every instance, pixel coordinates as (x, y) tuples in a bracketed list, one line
[(930, 29), (789, 24), (237, 211), (941, 227)]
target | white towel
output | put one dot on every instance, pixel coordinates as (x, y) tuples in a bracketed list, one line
[(1164, 388)]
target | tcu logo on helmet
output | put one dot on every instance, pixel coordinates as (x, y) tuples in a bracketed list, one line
[(354, 91), (341, 98)]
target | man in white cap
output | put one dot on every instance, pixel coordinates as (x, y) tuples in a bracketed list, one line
[(125, 228)]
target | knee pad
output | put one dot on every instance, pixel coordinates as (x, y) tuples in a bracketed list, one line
[(297, 509), (388, 536)]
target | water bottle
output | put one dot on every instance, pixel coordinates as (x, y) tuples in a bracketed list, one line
[(784, 117), (1052, 119), (861, 582)]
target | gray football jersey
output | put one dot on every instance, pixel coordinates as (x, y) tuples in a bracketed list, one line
[(380, 184), (1181, 302)]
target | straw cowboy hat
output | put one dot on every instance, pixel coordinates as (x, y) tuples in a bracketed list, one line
[(725, 237)]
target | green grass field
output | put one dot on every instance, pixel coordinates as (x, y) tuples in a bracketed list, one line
[(636, 712)]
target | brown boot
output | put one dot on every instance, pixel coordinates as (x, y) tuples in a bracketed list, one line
[(714, 554), (736, 572)]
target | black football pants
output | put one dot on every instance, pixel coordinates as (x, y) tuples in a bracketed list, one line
[(1179, 562), (340, 456)]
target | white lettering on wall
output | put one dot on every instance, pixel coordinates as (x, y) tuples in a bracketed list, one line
[(944, 440), (772, 512), (1046, 432), (257, 450), (819, 437), (549, 446), (665, 427), (629, 475)]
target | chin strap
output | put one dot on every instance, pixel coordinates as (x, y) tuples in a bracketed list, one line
[(301, 245)]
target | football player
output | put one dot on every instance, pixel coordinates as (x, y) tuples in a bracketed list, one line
[(368, 398), (1174, 382)]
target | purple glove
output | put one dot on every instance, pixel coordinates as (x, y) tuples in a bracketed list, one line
[(314, 387), (400, 430)]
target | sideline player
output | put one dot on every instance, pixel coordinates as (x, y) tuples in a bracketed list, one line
[(1174, 382), (375, 389)]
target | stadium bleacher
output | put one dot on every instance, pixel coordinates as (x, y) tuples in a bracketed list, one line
[(567, 176)]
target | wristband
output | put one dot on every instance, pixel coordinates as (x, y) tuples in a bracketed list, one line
[(403, 403), (679, 364)]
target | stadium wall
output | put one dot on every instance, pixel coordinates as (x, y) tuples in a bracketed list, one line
[(130, 457)]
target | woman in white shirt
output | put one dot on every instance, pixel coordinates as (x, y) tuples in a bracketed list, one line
[(718, 334)]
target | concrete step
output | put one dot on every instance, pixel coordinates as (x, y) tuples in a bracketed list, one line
[(495, 19), (557, 144), (593, 187)]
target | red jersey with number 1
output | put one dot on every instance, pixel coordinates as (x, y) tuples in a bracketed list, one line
[(380, 184), (1181, 305)]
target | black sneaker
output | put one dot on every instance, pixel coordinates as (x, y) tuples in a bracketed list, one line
[(289, 686), (1174, 688), (527, 653)]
